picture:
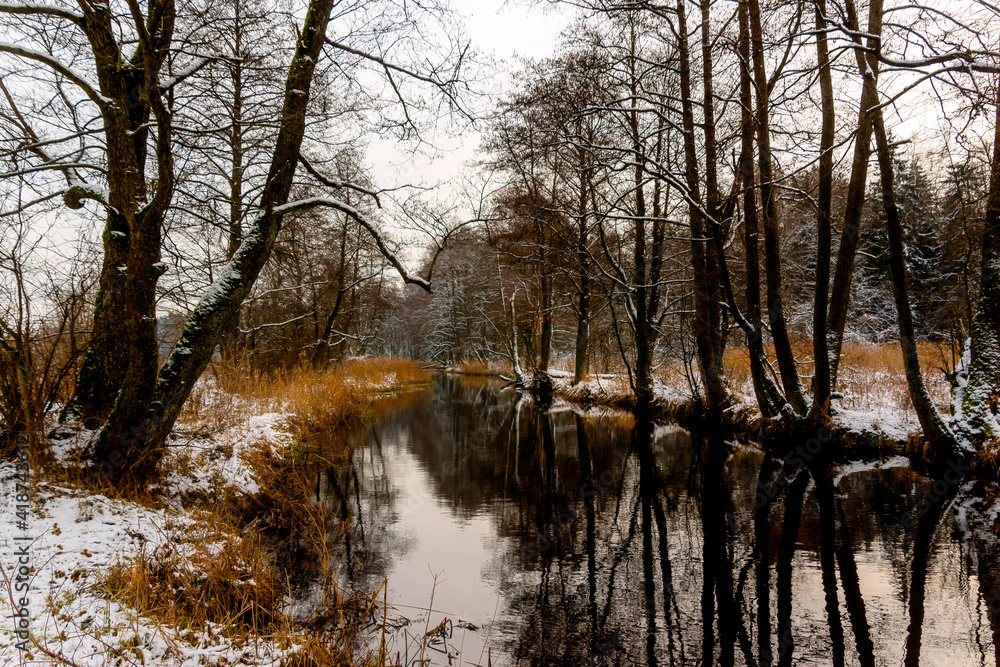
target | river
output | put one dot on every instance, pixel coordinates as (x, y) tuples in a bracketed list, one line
[(567, 537)]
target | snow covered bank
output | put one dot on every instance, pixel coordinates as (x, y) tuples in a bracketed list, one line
[(185, 575)]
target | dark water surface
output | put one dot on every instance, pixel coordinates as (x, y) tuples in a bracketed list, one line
[(561, 538)]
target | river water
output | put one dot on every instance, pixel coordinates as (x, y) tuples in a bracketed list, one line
[(564, 538)]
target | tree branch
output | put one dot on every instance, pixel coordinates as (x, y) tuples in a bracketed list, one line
[(32, 9), (46, 59), (356, 215)]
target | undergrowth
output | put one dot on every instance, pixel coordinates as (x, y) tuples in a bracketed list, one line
[(235, 569)]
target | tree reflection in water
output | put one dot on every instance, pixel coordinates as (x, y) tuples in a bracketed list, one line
[(576, 538)]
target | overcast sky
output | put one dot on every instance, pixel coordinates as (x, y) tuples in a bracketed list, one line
[(502, 29)]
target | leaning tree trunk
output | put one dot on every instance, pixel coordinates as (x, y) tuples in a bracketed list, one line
[(207, 324), (936, 431)]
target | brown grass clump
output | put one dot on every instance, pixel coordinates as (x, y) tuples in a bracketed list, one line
[(477, 367), (342, 633), (986, 462), (232, 588), (318, 398), (217, 578)]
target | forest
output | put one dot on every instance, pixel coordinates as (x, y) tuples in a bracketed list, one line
[(769, 222)]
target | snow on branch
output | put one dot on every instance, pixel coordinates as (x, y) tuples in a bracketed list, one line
[(34, 9), (185, 73), (336, 183), (46, 59), (336, 204)]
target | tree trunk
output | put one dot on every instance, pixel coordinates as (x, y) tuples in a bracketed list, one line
[(769, 398), (772, 249), (936, 431), (712, 198), (105, 362), (105, 365), (218, 305), (706, 313), (120, 445), (545, 340), (583, 287), (582, 329), (982, 393), (644, 334), (230, 339), (821, 353), (840, 295)]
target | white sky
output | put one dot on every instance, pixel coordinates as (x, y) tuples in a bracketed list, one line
[(503, 29)]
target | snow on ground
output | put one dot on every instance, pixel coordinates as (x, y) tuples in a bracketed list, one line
[(606, 388), (860, 466), (894, 425), (77, 536), (881, 408), (203, 464)]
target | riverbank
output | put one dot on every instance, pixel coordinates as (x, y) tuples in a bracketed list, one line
[(861, 433), (873, 418), (200, 567)]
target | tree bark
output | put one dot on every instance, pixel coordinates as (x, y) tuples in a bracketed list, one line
[(982, 393), (769, 399), (821, 352), (706, 313), (840, 295), (936, 431), (121, 302), (545, 340), (644, 334), (712, 197), (218, 305), (230, 339), (583, 286), (772, 248)]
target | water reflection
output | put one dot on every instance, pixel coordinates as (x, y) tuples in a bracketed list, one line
[(562, 538)]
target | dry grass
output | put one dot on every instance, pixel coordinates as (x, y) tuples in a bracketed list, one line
[(476, 367), (318, 398), (203, 576), (228, 585), (233, 569), (986, 462), (871, 376)]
